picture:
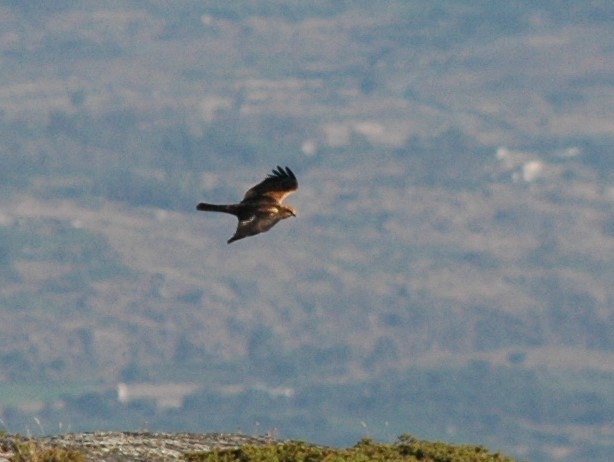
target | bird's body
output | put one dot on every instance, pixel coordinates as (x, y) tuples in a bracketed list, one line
[(261, 207)]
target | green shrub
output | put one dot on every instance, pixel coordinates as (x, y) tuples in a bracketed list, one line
[(406, 449), (30, 452)]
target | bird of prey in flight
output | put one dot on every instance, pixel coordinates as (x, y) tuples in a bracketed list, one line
[(261, 207)]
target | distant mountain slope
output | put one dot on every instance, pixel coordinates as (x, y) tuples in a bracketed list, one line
[(454, 212)]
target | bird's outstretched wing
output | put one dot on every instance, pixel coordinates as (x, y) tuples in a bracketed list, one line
[(276, 186)]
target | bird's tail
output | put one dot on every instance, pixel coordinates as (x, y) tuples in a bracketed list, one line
[(204, 207)]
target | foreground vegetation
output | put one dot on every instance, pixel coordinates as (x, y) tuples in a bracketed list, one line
[(29, 452), (406, 449)]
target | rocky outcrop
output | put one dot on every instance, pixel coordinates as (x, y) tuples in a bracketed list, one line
[(131, 446)]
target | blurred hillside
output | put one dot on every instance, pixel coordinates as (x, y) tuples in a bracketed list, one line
[(450, 270)]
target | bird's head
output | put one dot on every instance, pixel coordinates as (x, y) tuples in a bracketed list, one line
[(288, 212)]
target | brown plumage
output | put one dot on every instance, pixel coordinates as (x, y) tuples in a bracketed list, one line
[(261, 207)]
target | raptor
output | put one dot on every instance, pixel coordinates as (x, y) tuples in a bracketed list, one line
[(261, 207)]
